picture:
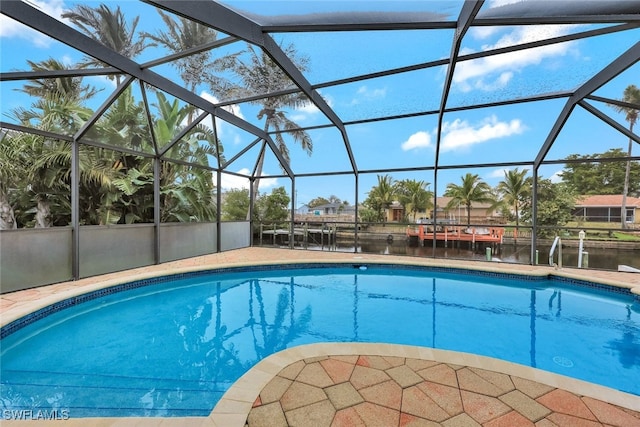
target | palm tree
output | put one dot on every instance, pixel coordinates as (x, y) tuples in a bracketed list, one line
[(277, 335), (44, 165), (472, 190), (183, 34), (11, 173), (513, 189), (258, 74), (381, 196), (414, 195), (187, 192), (109, 27), (69, 88), (38, 172), (631, 95), (58, 105), (119, 199)]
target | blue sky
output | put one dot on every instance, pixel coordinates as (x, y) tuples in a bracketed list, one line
[(494, 135)]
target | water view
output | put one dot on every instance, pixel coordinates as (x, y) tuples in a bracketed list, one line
[(599, 258)]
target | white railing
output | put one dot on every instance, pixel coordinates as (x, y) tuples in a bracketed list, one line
[(556, 242)]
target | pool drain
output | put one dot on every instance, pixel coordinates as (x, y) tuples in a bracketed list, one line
[(565, 362)]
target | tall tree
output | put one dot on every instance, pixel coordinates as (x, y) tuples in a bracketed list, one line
[(187, 192), (257, 74), (590, 177), (183, 34), (12, 165), (630, 95), (109, 27), (381, 196), (186, 189), (274, 206), (44, 189), (555, 204), (69, 88), (514, 189), (472, 190), (414, 196), (318, 201), (58, 102), (235, 204)]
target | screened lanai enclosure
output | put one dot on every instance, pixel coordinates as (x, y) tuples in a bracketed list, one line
[(135, 133)]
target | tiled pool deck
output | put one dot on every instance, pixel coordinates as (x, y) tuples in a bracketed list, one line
[(355, 384)]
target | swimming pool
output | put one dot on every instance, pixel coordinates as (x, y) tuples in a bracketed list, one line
[(172, 346)]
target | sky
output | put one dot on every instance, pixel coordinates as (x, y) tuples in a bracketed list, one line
[(487, 136)]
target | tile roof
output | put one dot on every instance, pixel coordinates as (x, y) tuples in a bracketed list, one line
[(607, 200)]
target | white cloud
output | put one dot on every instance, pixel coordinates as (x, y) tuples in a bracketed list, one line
[(481, 33), (233, 108), (459, 134), (308, 111), (10, 28), (498, 3), (67, 60), (495, 72), (486, 32), (372, 93), (419, 139), (364, 94), (230, 182), (267, 183), (497, 173), (556, 177)]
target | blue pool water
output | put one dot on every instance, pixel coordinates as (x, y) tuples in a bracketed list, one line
[(173, 348)]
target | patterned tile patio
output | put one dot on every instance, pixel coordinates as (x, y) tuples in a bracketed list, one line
[(379, 389)]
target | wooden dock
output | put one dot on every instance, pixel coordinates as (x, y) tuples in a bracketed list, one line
[(304, 236), (473, 235)]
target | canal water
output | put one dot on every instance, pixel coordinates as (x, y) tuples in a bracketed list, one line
[(599, 258)]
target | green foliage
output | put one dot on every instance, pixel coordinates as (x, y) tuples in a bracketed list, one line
[(182, 34), (273, 207), (555, 204), (115, 187), (414, 196), (254, 72), (69, 88), (512, 192), (626, 237), (109, 27), (318, 201), (380, 197), (587, 178), (40, 171), (472, 190), (368, 215), (235, 205)]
